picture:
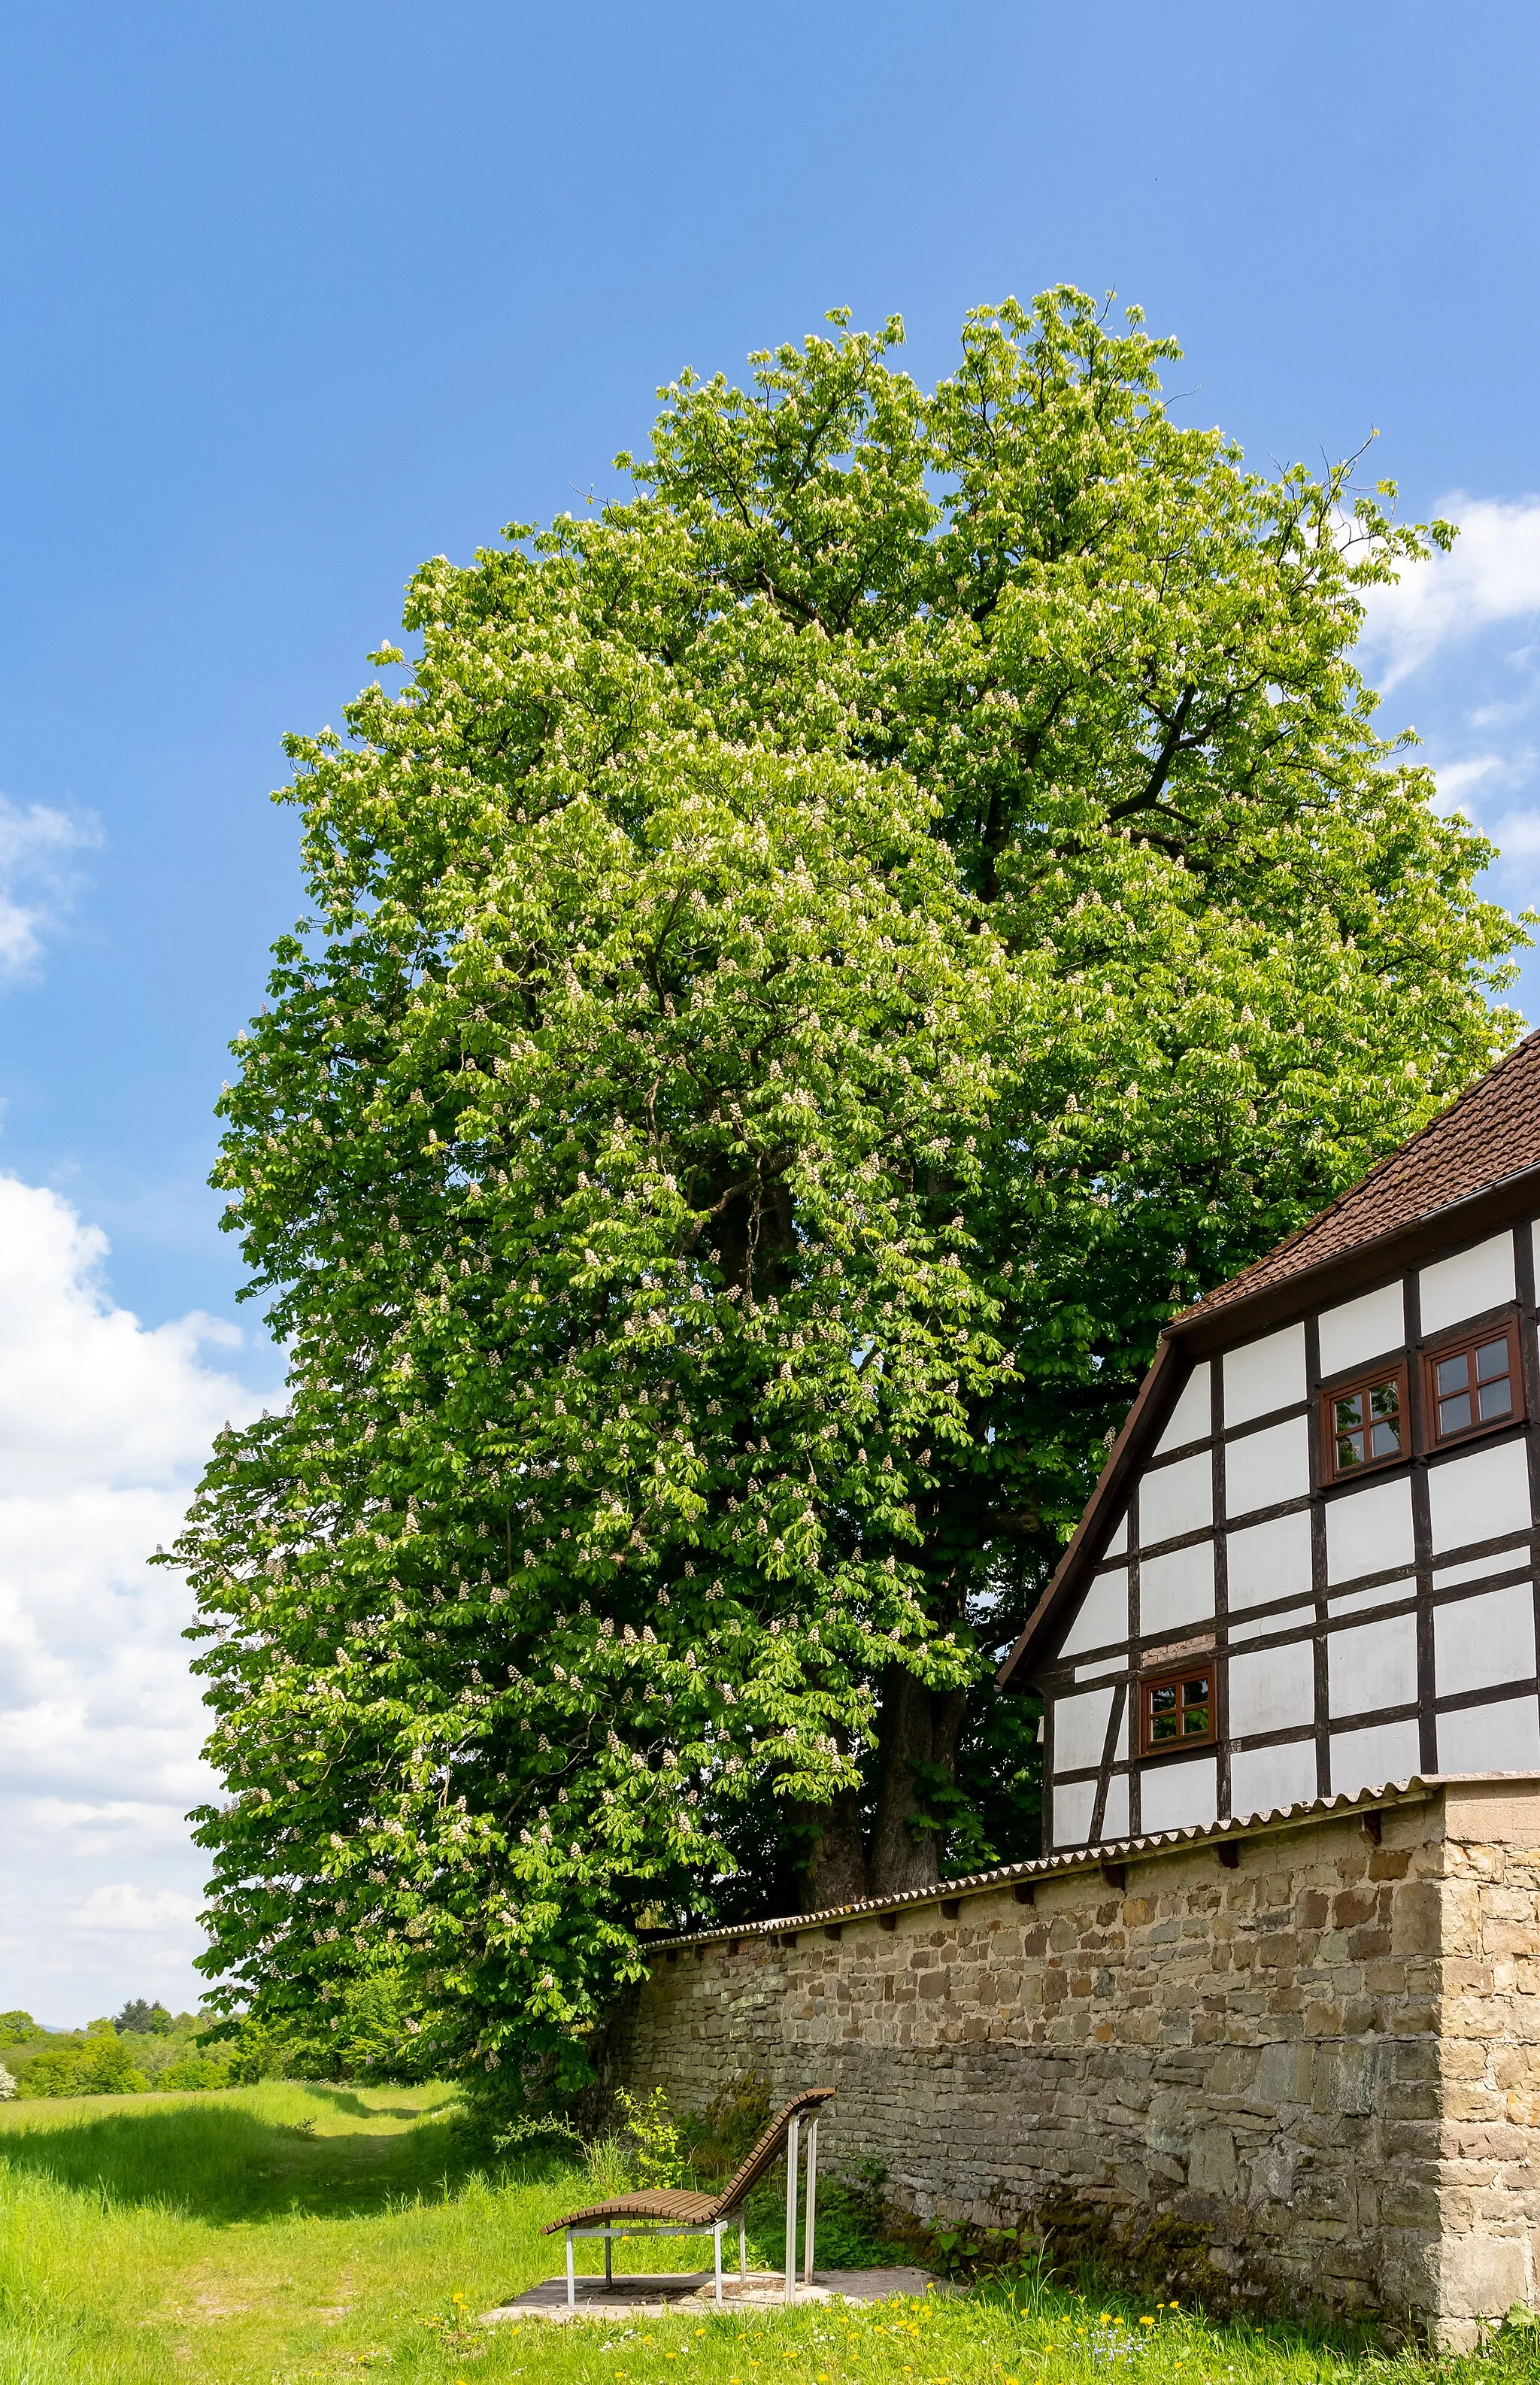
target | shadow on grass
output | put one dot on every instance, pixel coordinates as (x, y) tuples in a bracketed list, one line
[(223, 2164), (344, 2099)]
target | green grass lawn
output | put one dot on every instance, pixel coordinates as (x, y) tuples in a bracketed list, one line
[(283, 2234)]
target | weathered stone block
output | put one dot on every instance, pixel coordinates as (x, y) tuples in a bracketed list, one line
[(1480, 2277), (1211, 2164)]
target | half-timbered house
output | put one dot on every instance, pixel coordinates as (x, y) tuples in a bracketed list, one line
[(1308, 1565)]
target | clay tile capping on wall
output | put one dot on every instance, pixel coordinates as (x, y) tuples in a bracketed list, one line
[(1107, 1858), (1473, 1168)]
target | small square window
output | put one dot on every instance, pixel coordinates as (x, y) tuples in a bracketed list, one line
[(1175, 1711), (1476, 1385), (1365, 1423)]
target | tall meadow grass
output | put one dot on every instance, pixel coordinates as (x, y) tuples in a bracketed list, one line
[(307, 2235)]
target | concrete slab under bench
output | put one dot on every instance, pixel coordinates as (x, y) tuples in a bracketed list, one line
[(693, 2291)]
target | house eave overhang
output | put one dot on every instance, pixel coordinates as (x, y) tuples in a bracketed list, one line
[(1216, 1323)]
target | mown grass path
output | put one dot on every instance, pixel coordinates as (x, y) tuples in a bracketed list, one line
[(289, 2234)]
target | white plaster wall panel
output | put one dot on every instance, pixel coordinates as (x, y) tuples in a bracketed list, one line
[(1103, 1616), (1480, 1496), (1174, 1797), (1119, 1540), (1478, 1643), (1369, 1530), (1270, 1779), (1468, 1284), (1264, 1468), (1114, 1819), (1358, 1602), (1192, 1418), (1080, 1729), (1103, 1669), (1504, 1737), (1265, 1375), (1373, 1665), (1367, 1759), (1476, 1569), (1178, 1589), (1293, 1618), (1176, 1499), (1361, 1329), (1269, 1560), (1274, 1689), (1072, 1813)]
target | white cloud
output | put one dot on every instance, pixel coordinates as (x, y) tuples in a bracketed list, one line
[(120, 1904), (1517, 837), (1458, 782), (1478, 783), (98, 1827), (104, 1426), (1491, 574), (1458, 639), (38, 879)]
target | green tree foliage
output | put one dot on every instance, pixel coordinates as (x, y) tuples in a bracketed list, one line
[(171, 2052), (809, 971), (373, 2029), (141, 2019), (102, 2066), (20, 2029), (197, 2071)]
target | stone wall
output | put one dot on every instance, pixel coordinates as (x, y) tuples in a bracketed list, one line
[(1312, 2049)]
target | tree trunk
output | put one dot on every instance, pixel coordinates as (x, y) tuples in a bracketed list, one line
[(836, 1872), (920, 1727)]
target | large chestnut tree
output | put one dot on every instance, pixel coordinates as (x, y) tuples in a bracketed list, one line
[(807, 969)]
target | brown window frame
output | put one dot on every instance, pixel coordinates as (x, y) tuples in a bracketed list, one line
[(1466, 1344), (1168, 1679), (1368, 1380)]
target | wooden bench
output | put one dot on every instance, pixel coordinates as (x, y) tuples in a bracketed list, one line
[(671, 2211)]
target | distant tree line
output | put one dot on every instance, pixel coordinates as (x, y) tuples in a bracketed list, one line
[(147, 2049)]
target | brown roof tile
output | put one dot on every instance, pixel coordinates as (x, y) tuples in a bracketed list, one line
[(1490, 1133)]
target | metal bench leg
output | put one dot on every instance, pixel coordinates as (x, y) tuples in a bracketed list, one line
[(743, 2247), (571, 2276), (716, 2232), (812, 2199), (792, 2136), (608, 2258)]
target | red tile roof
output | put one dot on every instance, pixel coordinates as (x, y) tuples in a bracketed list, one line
[(1490, 1133)]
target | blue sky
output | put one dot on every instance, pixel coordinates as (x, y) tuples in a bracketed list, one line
[(294, 297)]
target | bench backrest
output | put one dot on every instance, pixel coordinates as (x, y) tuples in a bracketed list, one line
[(763, 2154)]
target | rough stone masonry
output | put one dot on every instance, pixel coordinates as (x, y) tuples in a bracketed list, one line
[(1314, 2042)]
